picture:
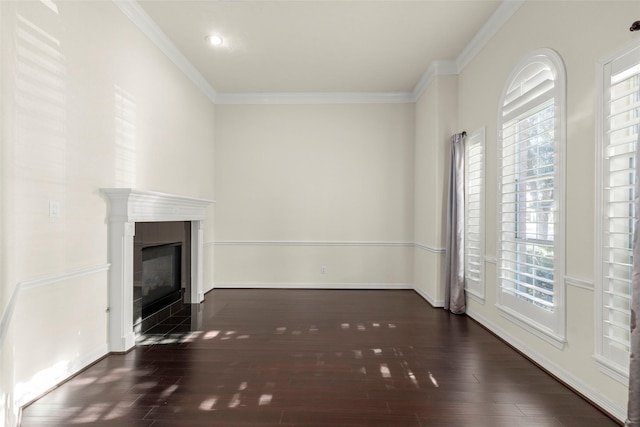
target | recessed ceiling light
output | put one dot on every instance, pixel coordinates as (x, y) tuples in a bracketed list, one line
[(214, 40)]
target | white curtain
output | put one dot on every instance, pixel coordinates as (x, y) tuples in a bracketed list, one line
[(633, 417), (454, 300)]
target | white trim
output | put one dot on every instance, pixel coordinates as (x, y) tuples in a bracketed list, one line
[(434, 302), (474, 296), (550, 324), (301, 285), (613, 370), (597, 258), (39, 282), (478, 137), (69, 371), (7, 316), (595, 395), (532, 326), (437, 68), (60, 277), (143, 21), (306, 243), (315, 98), (490, 259), (626, 48), (128, 206), (502, 14), (605, 364), (324, 243), (430, 248), (131, 205), (578, 283)]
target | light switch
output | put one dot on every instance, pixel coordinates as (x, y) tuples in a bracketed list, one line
[(54, 209)]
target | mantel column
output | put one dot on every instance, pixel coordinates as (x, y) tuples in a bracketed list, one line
[(121, 337), (197, 261)]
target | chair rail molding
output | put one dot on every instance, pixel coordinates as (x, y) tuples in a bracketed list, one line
[(308, 243)]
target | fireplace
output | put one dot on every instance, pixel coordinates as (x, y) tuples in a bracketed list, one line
[(161, 278), (128, 209), (161, 271)]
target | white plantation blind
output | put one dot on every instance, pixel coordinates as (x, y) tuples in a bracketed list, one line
[(529, 176), (621, 99), (474, 214), (528, 206)]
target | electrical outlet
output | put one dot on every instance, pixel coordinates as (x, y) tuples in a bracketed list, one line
[(323, 269)]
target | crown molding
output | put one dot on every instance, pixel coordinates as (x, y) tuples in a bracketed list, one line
[(317, 98), (437, 68), (454, 67), (143, 21), (502, 14)]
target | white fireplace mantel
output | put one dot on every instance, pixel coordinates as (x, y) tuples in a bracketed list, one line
[(128, 206)]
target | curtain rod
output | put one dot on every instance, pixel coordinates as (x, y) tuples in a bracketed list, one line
[(463, 133)]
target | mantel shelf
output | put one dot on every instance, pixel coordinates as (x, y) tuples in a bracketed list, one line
[(131, 205)]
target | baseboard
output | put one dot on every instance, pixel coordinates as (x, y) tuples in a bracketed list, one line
[(434, 302), (263, 285), (372, 286), (595, 396), (60, 377)]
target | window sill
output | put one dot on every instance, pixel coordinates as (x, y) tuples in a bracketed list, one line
[(612, 369), (534, 328), (476, 296)]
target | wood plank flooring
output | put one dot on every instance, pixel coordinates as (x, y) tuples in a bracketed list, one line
[(317, 358)]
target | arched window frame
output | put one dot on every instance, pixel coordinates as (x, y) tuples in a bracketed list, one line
[(544, 318)]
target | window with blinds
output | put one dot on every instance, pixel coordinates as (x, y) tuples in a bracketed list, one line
[(619, 138), (474, 214), (530, 180)]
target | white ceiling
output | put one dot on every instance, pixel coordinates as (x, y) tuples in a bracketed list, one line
[(319, 46)]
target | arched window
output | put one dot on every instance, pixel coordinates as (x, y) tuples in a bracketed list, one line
[(531, 143)]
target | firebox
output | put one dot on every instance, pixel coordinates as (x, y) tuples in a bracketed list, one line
[(161, 277)]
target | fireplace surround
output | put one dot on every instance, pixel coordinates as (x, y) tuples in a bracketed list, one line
[(128, 207)]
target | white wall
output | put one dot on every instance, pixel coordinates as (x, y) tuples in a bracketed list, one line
[(436, 118), (582, 33), (299, 187), (87, 102)]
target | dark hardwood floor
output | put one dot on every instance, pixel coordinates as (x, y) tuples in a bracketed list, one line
[(316, 358)]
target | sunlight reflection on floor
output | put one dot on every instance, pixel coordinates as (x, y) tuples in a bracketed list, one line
[(325, 362)]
